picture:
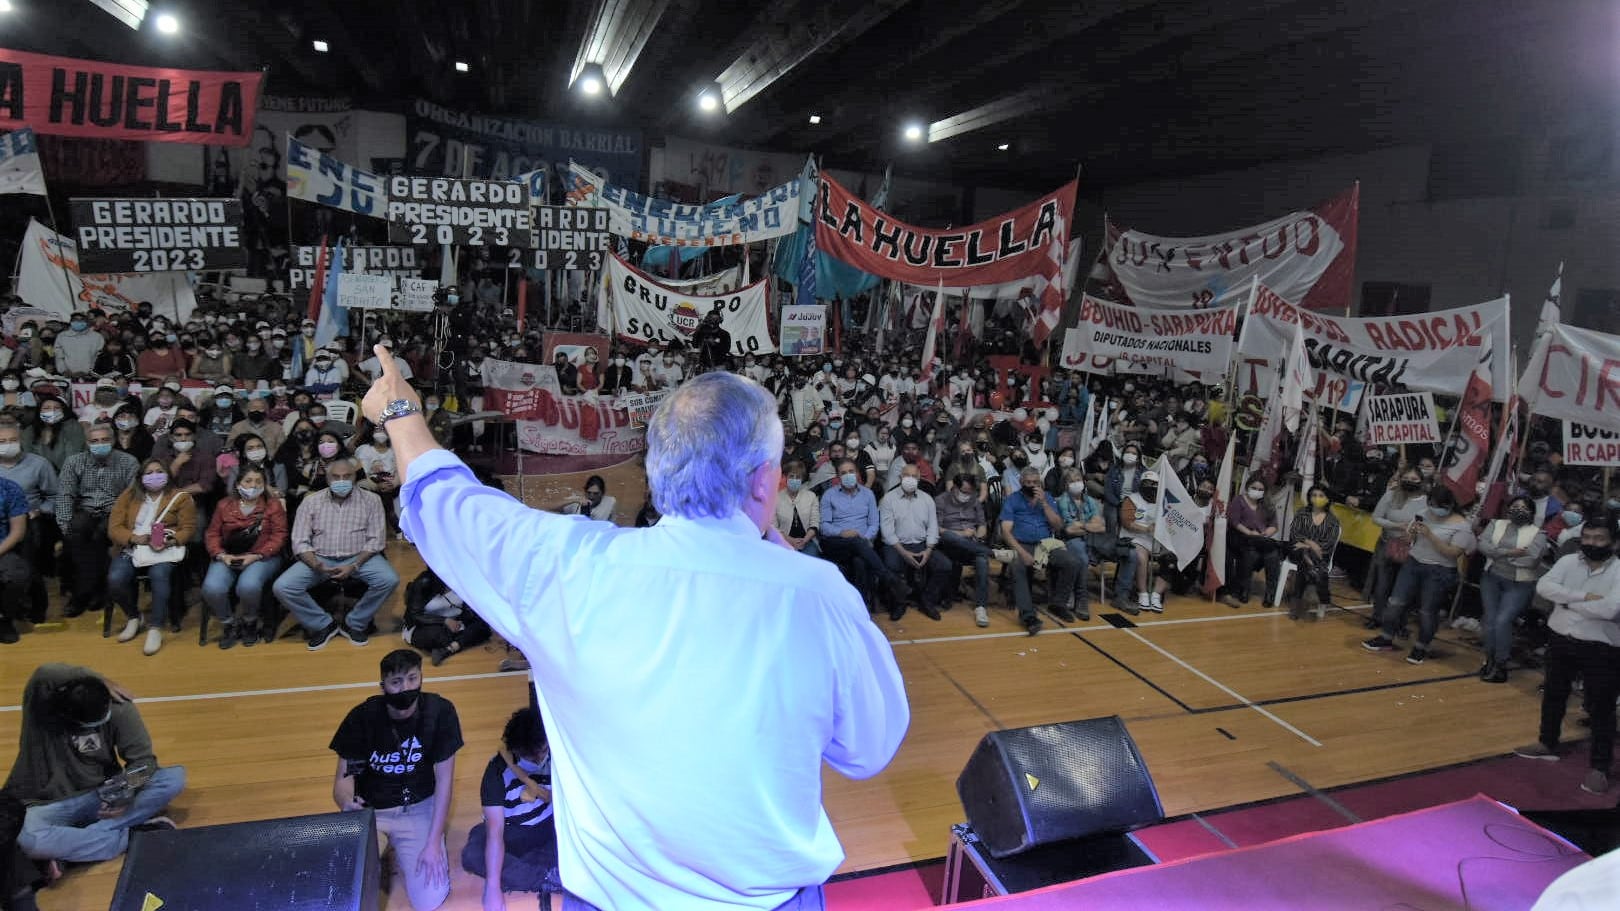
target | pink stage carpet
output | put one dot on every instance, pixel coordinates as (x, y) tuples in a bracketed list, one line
[(1474, 854)]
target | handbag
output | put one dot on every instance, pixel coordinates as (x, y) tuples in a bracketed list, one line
[(143, 555), (1397, 550), (242, 540)]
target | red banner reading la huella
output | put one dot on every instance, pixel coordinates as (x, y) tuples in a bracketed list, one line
[(62, 96), (1007, 248)]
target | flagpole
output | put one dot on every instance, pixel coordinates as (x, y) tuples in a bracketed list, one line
[(61, 261)]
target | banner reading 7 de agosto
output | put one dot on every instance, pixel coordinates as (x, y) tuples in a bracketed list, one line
[(1134, 338), (644, 310)]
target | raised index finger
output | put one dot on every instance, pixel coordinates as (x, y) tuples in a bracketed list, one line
[(386, 360)]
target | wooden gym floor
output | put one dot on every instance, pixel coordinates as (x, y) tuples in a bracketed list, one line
[(1228, 707)]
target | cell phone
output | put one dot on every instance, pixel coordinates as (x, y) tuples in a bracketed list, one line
[(159, 531)]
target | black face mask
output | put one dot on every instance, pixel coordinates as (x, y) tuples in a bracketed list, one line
[(1149, 492), (403, 699), (256, 417), (1411, 485), (1518, 517), (303, 436), (1031, 490), (1597, 553)]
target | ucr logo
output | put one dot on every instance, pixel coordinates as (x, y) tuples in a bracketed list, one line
[(527, 379), (685, 318)]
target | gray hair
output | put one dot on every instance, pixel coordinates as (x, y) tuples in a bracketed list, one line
[(705, 439), (1029, 471)]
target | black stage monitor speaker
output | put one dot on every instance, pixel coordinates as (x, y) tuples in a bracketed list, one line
[(1033, 786), (302, 863)]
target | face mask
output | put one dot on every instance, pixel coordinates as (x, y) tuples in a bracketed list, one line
[(452, 299), (79, 325), (1129, 458), (1426, 472), (304, 436), (9, 384), (100, 450), (327, 450), (1200, 469), (380, 438), (908, 485), (1613, 505), (156, 480), (165, 401), (253, 347), (317, 419), (430, 406), (1066, 461), (278, 343), (1571, 518), (1597, 553), (308, 331), (793, 485), (212, 352), (323, 364), (256, 417), (254, 455), (342, 489), (962, 496), (1519, 516), (1256, 493), (250, 493), (1411, 485), (1149, 492), (1031, 489), (1319, 501), (848, 479), (835, 424), (1076, 488), (51, 417), (402, 700), (905, 422), (10, 450), (184, 445), (1440, 512), (852, 444), (223, 401)]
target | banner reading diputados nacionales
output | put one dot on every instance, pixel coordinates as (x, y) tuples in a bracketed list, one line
[(61, 96), (1135, 339)]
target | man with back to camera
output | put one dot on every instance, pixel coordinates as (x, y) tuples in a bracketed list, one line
[(397, 756), (687, 730)]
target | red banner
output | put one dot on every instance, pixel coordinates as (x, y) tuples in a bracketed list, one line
[(62, 96), (1008, 248)]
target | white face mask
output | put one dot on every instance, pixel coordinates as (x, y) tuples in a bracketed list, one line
[(9, 384), (380, 438), (254, 455), (184, 445), (1076, 488), (10, 450), (909, 485), (1128, 458), (905, 422), (1065, 461), (1256, 493)]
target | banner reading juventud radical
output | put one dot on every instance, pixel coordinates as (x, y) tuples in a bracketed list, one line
[(61, 96), (1197, 341), (644, 310), (1433, 351), (1009, 247), (1307, 257)]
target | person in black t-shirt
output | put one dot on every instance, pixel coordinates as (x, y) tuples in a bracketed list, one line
[(515, 847), (397, 756)]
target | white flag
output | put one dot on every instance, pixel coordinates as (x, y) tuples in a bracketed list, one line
[(19, 163), (1296, 378), (48, 278), (1305, 459), (1088, 440), (1179, 524), (936, 325), (1552, 309), (1215, 575)]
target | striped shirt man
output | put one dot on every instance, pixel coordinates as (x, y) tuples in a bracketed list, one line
[(331, 526), (92, 484)]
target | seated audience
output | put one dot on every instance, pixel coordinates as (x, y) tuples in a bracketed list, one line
[(1029, 518), (149, 527), (90, 483), (514, 848), (798, 512), (1311, 540), (911, 531), (438, 621), (849, 525), (244, 542), (1250, 539), (1137, 513)]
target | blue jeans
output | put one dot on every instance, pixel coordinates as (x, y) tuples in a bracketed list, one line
[(1082, 571), (1504, 601), (961, 550), (807, 899), (249, 583), (292, 590), (121, 586), (1428, 585), (68, 829)]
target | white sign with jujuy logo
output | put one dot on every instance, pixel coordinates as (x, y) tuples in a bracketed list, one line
[(646, 311)]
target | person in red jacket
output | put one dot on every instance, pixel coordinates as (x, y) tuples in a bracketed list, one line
[(244, 541)]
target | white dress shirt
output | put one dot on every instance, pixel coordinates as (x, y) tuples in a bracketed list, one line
[(1568, 583), (692, 678)]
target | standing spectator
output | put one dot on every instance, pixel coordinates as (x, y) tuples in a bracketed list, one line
[(1438, 539), (1584, 588), (76, 737), (78, 347), (1394, 514), (90, 483), (395, 752), (1513, 546)]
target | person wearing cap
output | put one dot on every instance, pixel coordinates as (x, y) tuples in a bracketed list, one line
[(306, 337), (78, 347), (326, 370), (103, 402), (222, 411), (162, 407), (373, 367)]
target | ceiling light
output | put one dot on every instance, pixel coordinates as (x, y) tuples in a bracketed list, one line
[(5, 6), (130, 12), (321, 47), (591, 85), (815, 118), (168, 24), (708, 102), (1004, 147), (461, 66), (914, 132)]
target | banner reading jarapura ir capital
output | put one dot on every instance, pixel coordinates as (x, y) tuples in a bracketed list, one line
[(61, 96), (1009, 247)]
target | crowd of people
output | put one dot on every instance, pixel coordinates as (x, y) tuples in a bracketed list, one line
[(222, 456)]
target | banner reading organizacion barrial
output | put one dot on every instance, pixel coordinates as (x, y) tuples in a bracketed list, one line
[(1588, 445), (158, 235), (1406, 417), (469, 212), (1133, 338), (61, 96), (644, 310)]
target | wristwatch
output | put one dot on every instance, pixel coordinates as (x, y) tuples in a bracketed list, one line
[(398, 408)]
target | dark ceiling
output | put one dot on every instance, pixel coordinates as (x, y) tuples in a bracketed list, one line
[(1130, 89)]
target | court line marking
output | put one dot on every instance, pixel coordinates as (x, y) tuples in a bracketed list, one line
[(1312, 790), (1223, 688), (1214, 831), (329, 687)]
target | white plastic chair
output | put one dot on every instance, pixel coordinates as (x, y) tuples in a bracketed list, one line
[(1289, 567)]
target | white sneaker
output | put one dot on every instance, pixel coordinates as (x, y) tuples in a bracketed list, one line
[(154, 641), (1004, 554), (1144, 602), (981, 616), (1156, 603), (131, 627)]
